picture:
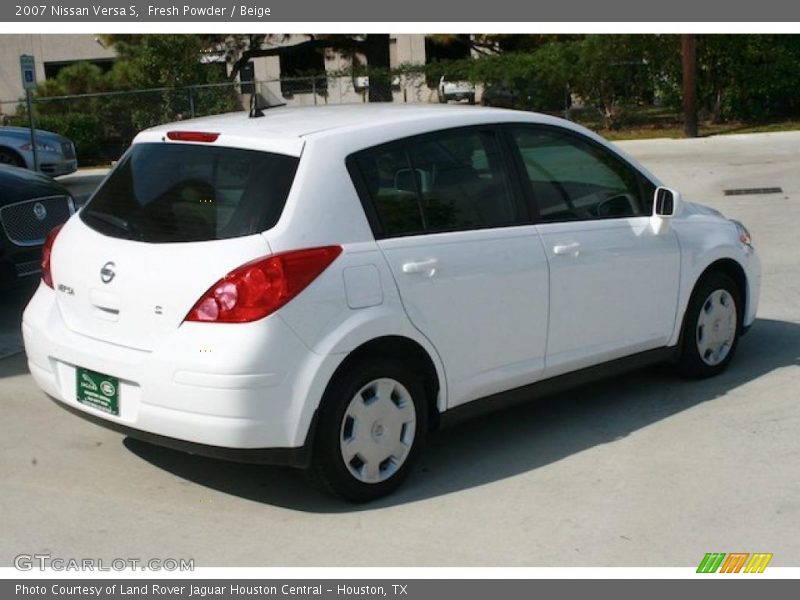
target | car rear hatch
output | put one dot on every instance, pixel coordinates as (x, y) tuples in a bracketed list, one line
[(169, 221)]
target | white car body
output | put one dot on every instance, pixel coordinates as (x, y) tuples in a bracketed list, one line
[(494, 309)]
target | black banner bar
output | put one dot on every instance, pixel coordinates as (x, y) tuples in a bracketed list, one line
[(359, 11), (730, 588)]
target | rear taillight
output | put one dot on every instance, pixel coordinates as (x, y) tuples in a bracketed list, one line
[(47, 250), (261, 287)]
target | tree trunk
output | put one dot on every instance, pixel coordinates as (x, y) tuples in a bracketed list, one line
[(376, 50), (689, 61)]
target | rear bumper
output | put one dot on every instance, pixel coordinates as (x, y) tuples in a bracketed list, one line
[(458, 95), (248, 401), (299, 457)]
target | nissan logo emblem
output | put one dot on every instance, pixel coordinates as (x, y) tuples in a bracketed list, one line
[(39, 211), (107, 272)]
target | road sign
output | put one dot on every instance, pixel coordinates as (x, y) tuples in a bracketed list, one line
[(27, 66)]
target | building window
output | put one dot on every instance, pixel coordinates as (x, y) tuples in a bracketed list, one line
[(52, 69), (445, 48), (303, 72)]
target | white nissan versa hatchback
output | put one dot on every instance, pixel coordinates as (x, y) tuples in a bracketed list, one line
[(320, 287)]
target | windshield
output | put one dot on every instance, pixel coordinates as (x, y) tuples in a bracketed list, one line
[(188, 193)]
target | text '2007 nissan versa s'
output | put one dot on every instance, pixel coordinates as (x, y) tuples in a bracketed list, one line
[(321, 287)]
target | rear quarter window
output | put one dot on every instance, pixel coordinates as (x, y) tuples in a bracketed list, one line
[(187, 192)]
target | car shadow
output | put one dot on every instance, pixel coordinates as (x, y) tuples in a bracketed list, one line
[(12, 303), (12, 364), (510, 442)]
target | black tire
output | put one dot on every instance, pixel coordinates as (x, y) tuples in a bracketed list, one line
[(9, 157), (691, 363), (328, 470)]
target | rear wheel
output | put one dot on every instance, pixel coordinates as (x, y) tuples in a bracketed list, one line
[(9, 157), (712, 326), (372, 424)]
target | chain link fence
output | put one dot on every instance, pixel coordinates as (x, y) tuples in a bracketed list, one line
[(102, 124)]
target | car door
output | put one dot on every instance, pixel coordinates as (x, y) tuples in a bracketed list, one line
[(613, 280), (471, 272)]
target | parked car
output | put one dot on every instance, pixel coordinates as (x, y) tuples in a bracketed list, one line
[(31, 204), (508, 95), (456, 90), (320, 287), (56, 153)]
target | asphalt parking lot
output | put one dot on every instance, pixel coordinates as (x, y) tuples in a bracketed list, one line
[(645, 470)]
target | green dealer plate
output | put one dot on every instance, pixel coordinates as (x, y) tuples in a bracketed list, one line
[(99, 391)]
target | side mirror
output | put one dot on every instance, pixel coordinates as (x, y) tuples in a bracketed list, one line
[(667, 203)]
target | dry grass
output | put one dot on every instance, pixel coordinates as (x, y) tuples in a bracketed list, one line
[(650, 122)]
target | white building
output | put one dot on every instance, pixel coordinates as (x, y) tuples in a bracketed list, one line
[(54, 51)]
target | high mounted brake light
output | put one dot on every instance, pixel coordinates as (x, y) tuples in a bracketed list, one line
[(259, 288), (193, 136)]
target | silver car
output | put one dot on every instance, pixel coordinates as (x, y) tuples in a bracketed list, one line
[(56, 153)]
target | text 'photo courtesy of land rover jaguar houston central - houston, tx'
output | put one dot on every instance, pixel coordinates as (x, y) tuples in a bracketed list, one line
[(321, 287)]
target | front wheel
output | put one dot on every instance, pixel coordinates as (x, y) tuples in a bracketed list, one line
[(372, 424), (711, 327)]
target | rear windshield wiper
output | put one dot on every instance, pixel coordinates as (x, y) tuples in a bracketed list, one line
[(116, 222)]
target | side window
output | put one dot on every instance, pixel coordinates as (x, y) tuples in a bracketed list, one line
[(391, 188), (451, 180), (463, 181), (572, 179)]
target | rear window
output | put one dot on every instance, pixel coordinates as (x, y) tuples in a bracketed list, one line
[(189, 193)]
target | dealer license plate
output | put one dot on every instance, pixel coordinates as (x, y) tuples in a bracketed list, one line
[(98, 391)]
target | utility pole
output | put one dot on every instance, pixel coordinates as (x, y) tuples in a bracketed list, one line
[(689, 62), (34, 147)]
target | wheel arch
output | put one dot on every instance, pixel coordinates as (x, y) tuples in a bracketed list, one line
[(408, 350), (736, 272), (14, 152), (733, 269)]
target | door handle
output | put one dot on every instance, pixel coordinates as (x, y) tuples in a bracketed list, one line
[(422, 266), (572, 249)]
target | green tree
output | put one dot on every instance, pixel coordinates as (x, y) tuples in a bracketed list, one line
[(374, 47), (175, 62), (615, 72), (103, 125), (748, 76)]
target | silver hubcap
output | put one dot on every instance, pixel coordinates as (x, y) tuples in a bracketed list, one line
[(378, 430), (716, 327)]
